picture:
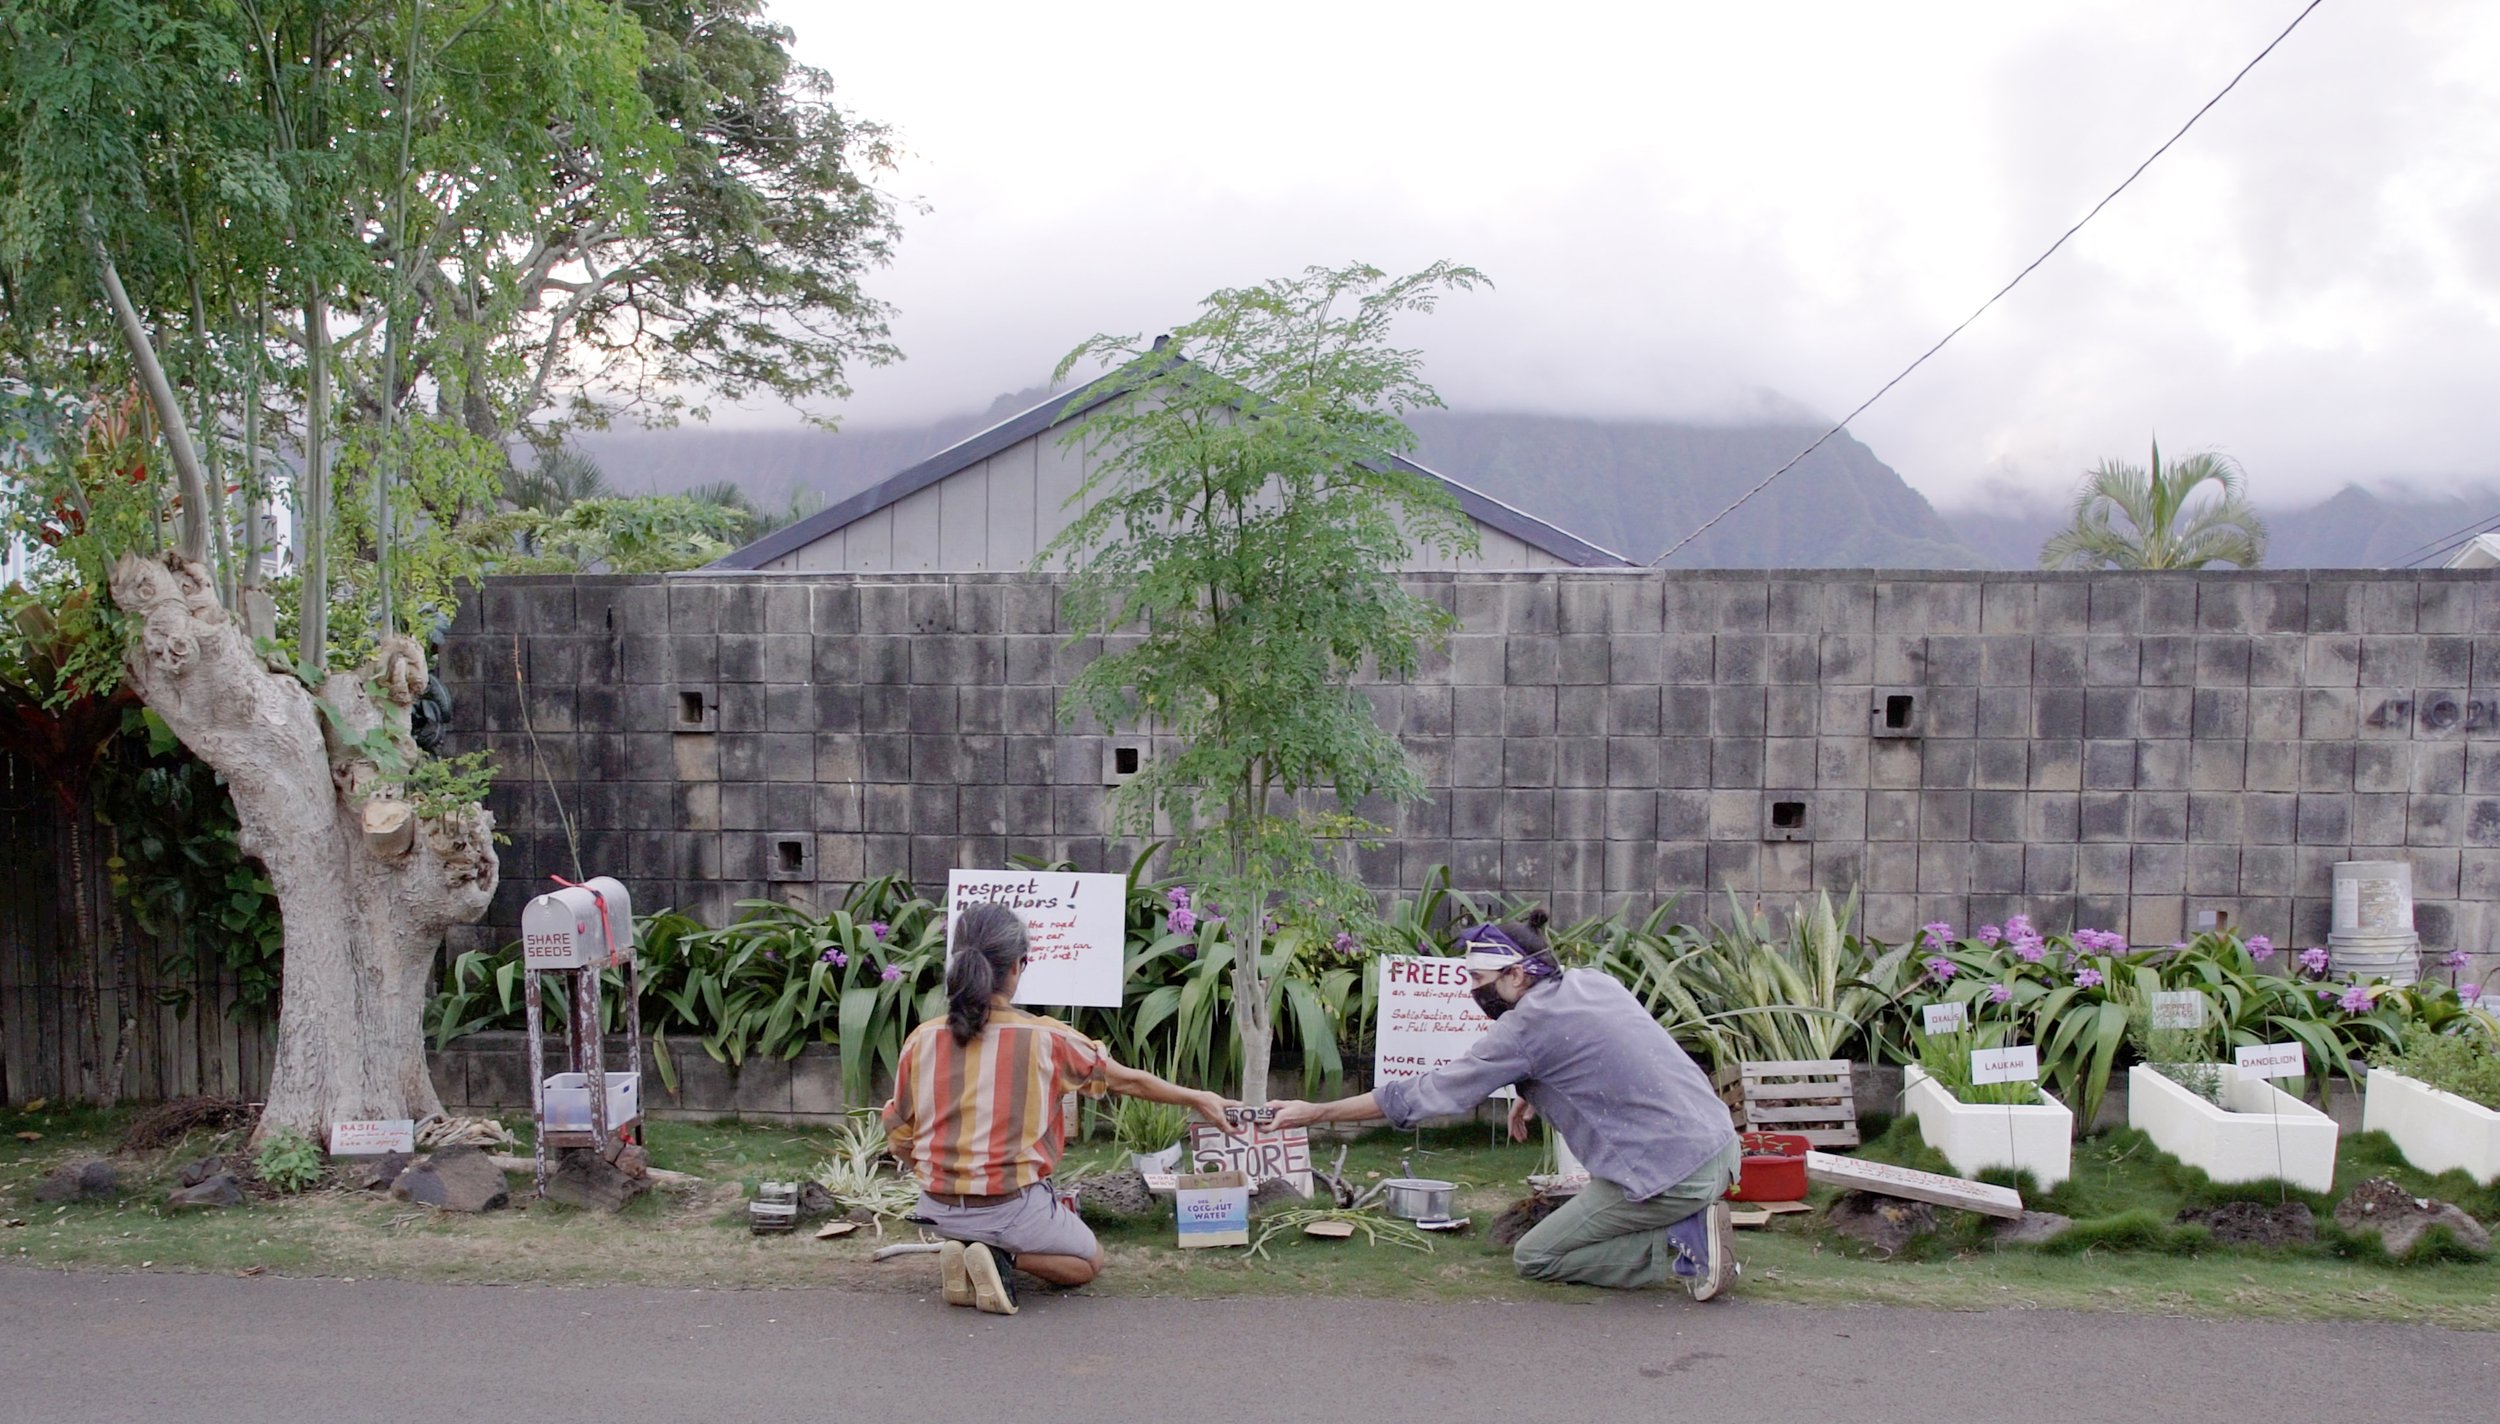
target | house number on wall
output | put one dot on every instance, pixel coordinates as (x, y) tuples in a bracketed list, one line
[(2437, 713)]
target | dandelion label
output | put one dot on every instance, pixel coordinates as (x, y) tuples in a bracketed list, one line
[(2271, 1060)]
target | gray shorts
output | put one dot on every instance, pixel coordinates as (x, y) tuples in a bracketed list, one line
[(1033, 1222)]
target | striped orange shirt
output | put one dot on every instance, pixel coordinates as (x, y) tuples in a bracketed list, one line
[(984, 1118)]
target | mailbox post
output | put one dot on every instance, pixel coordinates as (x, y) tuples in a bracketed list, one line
[(573, 934)]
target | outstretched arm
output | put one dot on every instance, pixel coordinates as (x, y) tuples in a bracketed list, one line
[(1360, 1108), (1138, 1083)]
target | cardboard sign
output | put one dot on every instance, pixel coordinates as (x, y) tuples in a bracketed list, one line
[(2178, 1008), (1427, 1018), (1213, 1208), (373, 1138), (1262, 1153), (1076, 926), (2271, 1060), (1944, 1018), (2018, 1064)]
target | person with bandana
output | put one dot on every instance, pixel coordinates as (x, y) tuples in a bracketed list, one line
[(1627, 1099)]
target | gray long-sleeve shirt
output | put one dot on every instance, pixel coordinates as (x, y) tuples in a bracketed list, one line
[(1634, 1106)]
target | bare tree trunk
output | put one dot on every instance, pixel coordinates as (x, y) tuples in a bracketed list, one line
[(76, 820), (196, 509), (361, 926)]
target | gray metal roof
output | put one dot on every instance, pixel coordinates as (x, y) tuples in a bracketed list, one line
[(1058, 410)]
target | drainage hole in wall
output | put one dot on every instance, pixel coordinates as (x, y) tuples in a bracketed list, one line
[(793, 854), (690, 708), (1788, 815), (1897, 710)]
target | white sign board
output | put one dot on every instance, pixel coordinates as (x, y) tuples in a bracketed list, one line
[(2178, 1008), (1944, 1018), (1260, 1153), (1859, 1174), (2271, 1060), (371, 1139), (1076, 925), (1427, 1016), (2018, 1064)]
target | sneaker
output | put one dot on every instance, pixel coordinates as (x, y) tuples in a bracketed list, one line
[(993, 1292), (958, 1277), (1717, 1263)]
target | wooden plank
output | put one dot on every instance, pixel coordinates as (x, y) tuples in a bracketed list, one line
[(1756, 1114), (1930, 1187), (1795, 1068), (1798, 1092), (1826, 1136)]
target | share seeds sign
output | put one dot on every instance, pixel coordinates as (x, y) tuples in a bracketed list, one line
[(1075, 925), (1427, 1016)]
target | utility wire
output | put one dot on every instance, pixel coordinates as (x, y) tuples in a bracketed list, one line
[(2452, 545), (2001, 291), (2439, 544)]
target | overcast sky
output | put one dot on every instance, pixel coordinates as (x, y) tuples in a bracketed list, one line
[(1685, 205)]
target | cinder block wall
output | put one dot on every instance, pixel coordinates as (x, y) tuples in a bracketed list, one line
[(2119, 751)]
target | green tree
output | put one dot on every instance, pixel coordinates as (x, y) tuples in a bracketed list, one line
[(1246, 518), (2138, 517)]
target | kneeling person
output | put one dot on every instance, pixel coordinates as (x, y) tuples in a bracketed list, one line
[(976, 1115), (1631, 1103)]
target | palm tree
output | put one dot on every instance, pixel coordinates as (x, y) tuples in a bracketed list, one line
[(2159, 530), (562, 476)]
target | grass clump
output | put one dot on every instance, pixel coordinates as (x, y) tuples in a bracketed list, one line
[(2466, 1064)]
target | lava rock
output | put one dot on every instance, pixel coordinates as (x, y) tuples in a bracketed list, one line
[(382, 1171), (218, 1190), (584, 1179), (1521, 1217), (2243, 1223), (815, 1201), (191, 1174), (1115, 1196), (2029, 1229), (1885, 1223), (454, 1179), (2383, 1208), (81, 1181)]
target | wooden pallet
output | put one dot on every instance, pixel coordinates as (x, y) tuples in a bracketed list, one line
[(1811, 1098)]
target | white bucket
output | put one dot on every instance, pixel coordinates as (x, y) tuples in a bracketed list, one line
[(2394, 958), (2373, 898)]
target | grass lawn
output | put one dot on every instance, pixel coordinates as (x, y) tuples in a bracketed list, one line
[(2123, 1254)]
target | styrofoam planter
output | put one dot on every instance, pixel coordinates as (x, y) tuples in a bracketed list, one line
[(2038, 1138), (2435, 1130), (2257, 1132)]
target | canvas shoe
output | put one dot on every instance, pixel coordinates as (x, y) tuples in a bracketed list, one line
[(958, 1276), (1715, 1266), (992, 1290)]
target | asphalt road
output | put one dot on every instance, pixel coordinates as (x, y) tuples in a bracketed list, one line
[(76, 1347)]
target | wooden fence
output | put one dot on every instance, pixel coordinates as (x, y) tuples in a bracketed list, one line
[(45, 1049)]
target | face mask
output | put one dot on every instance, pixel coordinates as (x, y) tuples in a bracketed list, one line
[(1489, 998)]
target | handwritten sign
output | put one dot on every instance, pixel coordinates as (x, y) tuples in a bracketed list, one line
[(1944, 1018), (1859, 1174), (2018, 1064), (2271, 1060), (1428, 1017), (2178, 1008), (1075, 926), (373, 1138), (1261, 1153)]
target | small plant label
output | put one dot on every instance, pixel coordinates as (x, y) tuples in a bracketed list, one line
[(2178, 1008), (2018, 1064), (2271, 1060), (1944, 1018), (371, 1139), (1075, 928)]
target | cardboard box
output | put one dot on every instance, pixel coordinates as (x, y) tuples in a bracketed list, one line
[(1213, 1207)]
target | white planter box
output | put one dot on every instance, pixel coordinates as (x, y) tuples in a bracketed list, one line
[(2039, 1139), (2257, 1132), (2435, 1131)]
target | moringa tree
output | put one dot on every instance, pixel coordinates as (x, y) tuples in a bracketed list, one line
[(1246, 516), (2135, 517)]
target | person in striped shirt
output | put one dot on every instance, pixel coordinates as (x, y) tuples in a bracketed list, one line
[(977, 1116)]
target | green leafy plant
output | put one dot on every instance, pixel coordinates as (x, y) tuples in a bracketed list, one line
[(288, 1161), (1142, 1128), (2466, 1064), (1377, 1227), (2189, 1057), (855, 1175), (1946, 1057)]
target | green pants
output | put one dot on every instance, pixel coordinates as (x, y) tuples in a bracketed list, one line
[(1599, 1239)]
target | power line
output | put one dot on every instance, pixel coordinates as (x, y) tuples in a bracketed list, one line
[(2439, 544), (2453, 544), (2001, 291)]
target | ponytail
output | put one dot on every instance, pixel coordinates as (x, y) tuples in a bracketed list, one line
[(988, 945)]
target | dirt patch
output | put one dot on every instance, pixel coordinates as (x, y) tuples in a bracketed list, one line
[(2255, 1224)]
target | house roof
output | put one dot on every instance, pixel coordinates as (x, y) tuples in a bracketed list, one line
[(1060, 409)]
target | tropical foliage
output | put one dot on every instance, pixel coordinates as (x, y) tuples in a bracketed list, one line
[(2140, 517)]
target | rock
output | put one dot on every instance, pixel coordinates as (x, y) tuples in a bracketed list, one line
[(191, 1174), (2398, 1218), (584, 1179), (2243, 1223), (2029, 1229), (454, 1179), (1885, 1223), (381, 1172), (815, 1201), (1115, 1196), (1521, 1217), (218, 1190), (81, 1181)]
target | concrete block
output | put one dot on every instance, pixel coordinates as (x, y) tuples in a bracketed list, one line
[(1684, 815), (1739, 659), (2108, 765), (2379, 819), (1735, 866), (2326, 766), (2056, 765), (2155, 919), (1891, 867), (1738, 712), (2222, 606), (1951, 713), (1845, 659), (2438, 769), (2170, 603), (1944, 868), (2167, 661), (2006, 606), (1894, 764), (2445, 604), (2054, 815), (1633, 711), (1998, 869), (2005, 712), (2277, 661), (2447, 662), (2213, 871), (2057, 712), (2274, 714), (2160, 816), (2103, 869), (2159, 870), (1841, 762), (1684, 762), (2104, 816), (1948, 765), (2063, 605), (1794, 606), (1633, 605), (1527, 761), (1531, 606), (2331, 662), (1789, 761), (2117, 603), (1744, 605), (2328, 714), (1900, 659), (1892, 815), (1631, 762), (2390, 660), (1997, 816), (2058, 662), (2109, 712), (2044, 869), (1736, 762), (1581, 606), (1635, 658), (1686, 658), (1580, 711), (2217, 765), (1944, 816), (2325, 819), (1531, 661)]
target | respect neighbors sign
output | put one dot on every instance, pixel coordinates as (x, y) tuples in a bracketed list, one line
[(1075, 927)]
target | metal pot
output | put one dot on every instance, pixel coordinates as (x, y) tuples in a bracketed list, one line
[(1418, 1198)]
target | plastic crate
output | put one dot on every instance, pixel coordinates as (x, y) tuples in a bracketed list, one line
[(568, 1101), (1773, 1169)]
